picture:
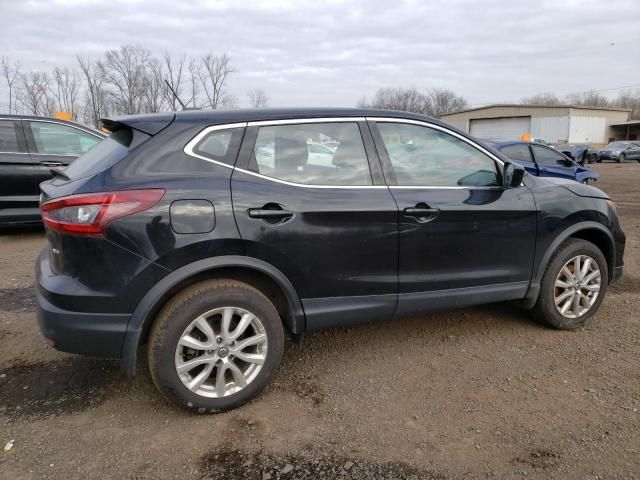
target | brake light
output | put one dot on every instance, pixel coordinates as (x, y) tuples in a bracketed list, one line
[(90, 213)]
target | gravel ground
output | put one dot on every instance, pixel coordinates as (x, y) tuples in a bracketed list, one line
[(476, 393)]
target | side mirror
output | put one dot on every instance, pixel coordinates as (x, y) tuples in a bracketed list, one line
[(513, 175)]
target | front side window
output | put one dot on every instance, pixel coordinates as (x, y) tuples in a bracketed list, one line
[(8, 137), (547, 156), (56, 139), (424, 156), (517, 152), (312, 154)]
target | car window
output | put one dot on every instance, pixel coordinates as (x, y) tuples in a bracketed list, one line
[(297, 153), (221, 145), (547, 155), (517, 152), (429, 157), (8, 137), (57, 139)]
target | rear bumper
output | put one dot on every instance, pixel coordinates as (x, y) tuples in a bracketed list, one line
[(94, 334)]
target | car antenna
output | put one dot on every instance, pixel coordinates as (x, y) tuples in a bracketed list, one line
[(173, 92)]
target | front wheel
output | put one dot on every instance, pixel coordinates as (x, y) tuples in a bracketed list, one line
[(621, 158), (573, 285), (215, 346)]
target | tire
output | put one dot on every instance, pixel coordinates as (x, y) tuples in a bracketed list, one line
[(545, 310), (180, 321), (621, 158), (594, 158)]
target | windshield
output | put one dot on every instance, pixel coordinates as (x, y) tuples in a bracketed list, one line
[(618, 145), (102, 156)]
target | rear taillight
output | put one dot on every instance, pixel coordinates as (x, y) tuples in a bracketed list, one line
[(90, 213)]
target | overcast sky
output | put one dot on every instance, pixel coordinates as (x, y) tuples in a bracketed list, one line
[(331, 53)]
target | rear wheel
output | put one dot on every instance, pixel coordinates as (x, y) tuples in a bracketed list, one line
[(215, 346), (573, 285)]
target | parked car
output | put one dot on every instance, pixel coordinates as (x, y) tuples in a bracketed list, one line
[(580, 152), (174, 234), (620, 151), (29, 148), (543, 161)]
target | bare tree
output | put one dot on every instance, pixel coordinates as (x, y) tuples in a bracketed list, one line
[(154, 87), (442, 101), (631, 100), (258, 98), (195, 68), (174, 72), (405, 99), (125, 70), (66, 89), (10, 72), (213, 78), (546, 98), (590, 99), (33, 93), (96, 106)]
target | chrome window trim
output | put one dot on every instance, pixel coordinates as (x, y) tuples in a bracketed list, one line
[(188, 149)]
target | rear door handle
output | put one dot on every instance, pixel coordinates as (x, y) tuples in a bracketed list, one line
[(269, 214), (52, 163)]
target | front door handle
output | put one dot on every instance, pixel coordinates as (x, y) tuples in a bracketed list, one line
[(52, 163), (422, 212)]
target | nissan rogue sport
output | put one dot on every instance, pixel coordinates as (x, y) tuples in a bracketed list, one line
[(207, 236)]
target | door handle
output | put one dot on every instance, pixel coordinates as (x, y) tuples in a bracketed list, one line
[(270, 213), (422, 213), (52, 163), (266, 213)]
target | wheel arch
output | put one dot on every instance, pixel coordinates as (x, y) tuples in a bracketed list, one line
[(594, 232), (257, 273)]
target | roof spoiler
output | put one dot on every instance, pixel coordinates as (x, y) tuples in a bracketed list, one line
[(150, 124)]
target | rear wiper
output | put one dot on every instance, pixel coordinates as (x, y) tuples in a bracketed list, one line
[(57, 172)]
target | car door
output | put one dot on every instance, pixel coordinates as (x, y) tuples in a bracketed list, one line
[(463, 238), (18, 192), (55, 145), (520, 153), (327, 222), (634, 151), (552, 163)]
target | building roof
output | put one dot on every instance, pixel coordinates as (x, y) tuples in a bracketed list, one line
[(522, 105), (622, 124)]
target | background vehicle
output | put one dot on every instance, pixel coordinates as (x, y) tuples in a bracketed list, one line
[(580, 152), (173, 232), (620, 151), (543, 161), (29, 148)]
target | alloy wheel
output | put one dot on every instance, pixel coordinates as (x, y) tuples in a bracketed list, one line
[(221, 352), (577, 286)]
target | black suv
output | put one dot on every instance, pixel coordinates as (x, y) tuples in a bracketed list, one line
[(29, 148), (208, 235)]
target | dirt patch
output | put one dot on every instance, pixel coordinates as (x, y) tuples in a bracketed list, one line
[(306, 387), (22, 299), (540, 459), (43, 389), (238, 465)]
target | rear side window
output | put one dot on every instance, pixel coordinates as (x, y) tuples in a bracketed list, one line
[(8, 137), (517, 152), (312, 154), (56, 139), (105, 154), (220, 145)]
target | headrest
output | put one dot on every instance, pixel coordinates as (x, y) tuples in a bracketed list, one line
[(290, 152), (349, 154)]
